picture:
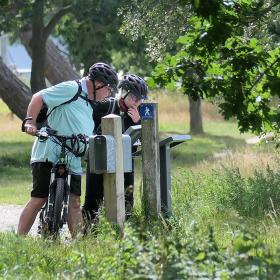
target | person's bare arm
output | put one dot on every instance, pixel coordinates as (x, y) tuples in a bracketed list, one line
[(33, 110)]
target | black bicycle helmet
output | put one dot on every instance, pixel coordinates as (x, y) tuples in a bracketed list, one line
[(135, 85), (104, 73)]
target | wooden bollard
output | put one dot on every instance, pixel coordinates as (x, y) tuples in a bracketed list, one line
[(150, 159), (114, 201)]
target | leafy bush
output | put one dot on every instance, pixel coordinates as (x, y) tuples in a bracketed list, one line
[(199, 241)]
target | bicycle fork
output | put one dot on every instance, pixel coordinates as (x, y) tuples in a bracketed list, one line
[(66, 199), (50, 203)]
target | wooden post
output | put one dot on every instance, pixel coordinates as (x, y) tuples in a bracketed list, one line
[(150, 159), (114, 182)]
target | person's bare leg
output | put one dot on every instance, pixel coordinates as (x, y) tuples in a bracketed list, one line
[(29, 213), (74, 215)]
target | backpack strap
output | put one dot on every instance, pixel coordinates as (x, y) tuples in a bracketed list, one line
[(74, 98)]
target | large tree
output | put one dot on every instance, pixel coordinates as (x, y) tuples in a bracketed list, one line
[(93, 35), (40, 17), (160, 23), (223, 57), (57, 66), (88, 28), (233, 65)]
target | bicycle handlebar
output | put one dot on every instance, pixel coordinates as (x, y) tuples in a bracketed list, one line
[(75, 139)]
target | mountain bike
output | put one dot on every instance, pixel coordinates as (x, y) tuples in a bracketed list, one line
[(54, 213)]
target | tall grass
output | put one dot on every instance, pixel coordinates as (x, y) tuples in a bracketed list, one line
[(225, 222)]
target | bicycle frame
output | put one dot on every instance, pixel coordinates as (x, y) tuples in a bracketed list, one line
[(54, 213), (59, 170)]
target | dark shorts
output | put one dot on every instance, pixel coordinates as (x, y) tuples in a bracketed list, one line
[(41, 172)]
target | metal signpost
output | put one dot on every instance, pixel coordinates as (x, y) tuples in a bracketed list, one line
[(165, 174)]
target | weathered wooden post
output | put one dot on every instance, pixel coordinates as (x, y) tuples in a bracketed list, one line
[(150, 159), (114, 182)]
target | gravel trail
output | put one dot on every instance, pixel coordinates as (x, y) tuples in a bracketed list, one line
[(9, 218)]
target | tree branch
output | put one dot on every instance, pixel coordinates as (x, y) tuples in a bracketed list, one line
[(263, 14), (263, 73), (54, 20)]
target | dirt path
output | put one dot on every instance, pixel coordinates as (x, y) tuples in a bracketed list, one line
[(9, 218)]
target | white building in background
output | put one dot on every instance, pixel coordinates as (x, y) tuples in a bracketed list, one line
[(4, 43), (15, 57)]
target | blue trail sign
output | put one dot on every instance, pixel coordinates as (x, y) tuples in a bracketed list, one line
[(147, 111)]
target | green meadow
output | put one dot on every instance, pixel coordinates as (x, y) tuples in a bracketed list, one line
[(225, 202)]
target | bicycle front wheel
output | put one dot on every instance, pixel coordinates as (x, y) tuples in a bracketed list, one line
[(58, 204)]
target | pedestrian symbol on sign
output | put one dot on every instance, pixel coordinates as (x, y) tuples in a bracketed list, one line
[(147, 111)]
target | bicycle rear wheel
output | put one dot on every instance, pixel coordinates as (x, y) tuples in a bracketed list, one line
[(57, 209)]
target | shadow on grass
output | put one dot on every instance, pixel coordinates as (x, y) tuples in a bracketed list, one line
[(14, 173), (15, 154)]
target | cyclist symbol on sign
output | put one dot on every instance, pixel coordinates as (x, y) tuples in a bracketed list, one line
[(147, 111)]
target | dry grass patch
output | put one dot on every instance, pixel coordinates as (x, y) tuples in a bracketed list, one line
[(247, 161), (173, 107), (9, 122)]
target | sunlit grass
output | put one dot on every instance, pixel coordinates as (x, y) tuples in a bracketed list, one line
[(15, 185), (220, 136), (219, 183)]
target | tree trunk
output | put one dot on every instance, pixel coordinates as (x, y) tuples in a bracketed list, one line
[(57, 67), (13, 91), (195, 116), (38, 44), (16, 94)]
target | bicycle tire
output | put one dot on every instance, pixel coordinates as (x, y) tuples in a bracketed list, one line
[(58, 204)]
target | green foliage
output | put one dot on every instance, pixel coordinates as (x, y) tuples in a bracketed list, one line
[(159, 253), (251, 197), (158, 23), (92, 34), (88, 29), (16, 16), (225, 190), (220, 228), (224, 65)]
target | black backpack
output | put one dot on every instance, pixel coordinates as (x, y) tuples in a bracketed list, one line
[(43, 114)]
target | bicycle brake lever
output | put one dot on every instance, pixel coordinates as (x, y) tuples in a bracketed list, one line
[(42, 135)]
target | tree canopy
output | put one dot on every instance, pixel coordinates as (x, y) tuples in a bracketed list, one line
[(40, 17), (229, 55), (92, 34), (88, 28), (159, 23)]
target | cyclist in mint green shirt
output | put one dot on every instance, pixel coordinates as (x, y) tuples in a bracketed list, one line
[(72, 118)]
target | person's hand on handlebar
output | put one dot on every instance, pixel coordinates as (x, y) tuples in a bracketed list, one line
[(28, 126)]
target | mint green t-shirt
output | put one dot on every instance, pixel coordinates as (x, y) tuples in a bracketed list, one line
[(68, 119)]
